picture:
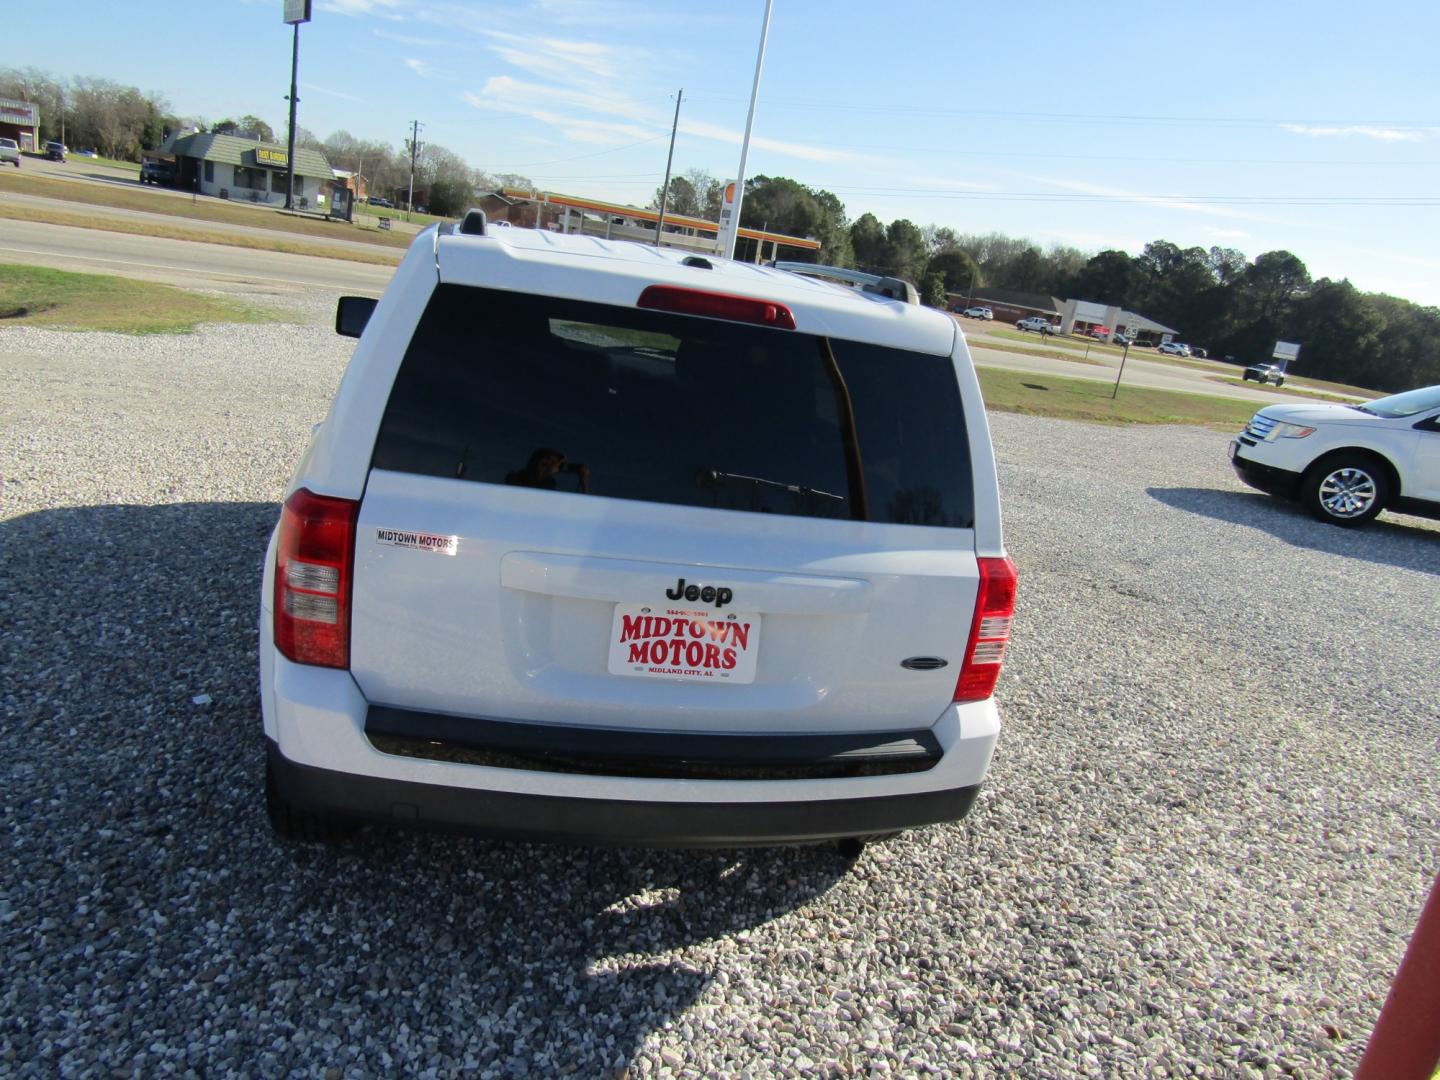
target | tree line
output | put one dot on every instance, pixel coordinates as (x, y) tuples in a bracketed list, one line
[(1215, 297), (124, 123)]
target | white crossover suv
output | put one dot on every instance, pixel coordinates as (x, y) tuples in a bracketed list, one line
[(1346, 463), (614, 544)]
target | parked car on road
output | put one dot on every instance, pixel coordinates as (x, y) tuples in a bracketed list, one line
[(161, 173), (516, 589), (978, 313), (1265, 373), (10, 152), (376, 200), (54, 151), (1173, 348), (1036, 324), (1346, 463)]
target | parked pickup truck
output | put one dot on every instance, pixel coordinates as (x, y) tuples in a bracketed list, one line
[(1038, 325)]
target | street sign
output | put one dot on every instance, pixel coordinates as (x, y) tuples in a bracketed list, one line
[(1165, 339), (1286, 350), (297, 11), (728, 221)]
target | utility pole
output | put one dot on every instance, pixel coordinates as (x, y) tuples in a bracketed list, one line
[(415, 127), (665, 191), (294, 100), (295, 13), (734, 230)]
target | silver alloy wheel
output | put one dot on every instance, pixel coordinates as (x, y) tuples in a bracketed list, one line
[(1347, 492)]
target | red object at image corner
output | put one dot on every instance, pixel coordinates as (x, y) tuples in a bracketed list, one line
[(1405, 1044)]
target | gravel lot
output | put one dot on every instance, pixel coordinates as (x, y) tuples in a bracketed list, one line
[(1210, 825)]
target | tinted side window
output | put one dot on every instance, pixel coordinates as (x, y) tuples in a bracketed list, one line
[(507, 388)]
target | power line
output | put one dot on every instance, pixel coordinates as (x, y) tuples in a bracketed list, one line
[(577, 157), (1082, 197), (1142, 118)]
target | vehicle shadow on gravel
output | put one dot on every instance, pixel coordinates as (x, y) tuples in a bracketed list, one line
[(1386, 541), (155, 924)]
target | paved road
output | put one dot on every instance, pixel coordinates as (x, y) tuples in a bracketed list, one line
[(1139, 371), (161, 219), (184, 262)]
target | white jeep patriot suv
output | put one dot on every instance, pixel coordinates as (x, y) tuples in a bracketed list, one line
[(612, 544)]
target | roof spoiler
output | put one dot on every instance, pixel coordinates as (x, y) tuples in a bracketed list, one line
[(892, 287)]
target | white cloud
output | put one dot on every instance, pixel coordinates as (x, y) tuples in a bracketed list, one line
[(327, 92), (384, 9), (420, 67), (1380, 134), (597, 132), (570, 62), (627, 120), (1168, 202)]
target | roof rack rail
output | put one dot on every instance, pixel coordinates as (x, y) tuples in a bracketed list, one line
[(473, 223), (892, 287)]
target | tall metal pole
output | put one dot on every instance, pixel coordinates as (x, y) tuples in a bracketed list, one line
[(414, 149), (290, 150), (665, 191), (745, 146)]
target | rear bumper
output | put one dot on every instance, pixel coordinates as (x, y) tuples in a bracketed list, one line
[(608, 821), (323, 757)]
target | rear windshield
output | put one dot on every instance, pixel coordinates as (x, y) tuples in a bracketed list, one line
[(507, 388)]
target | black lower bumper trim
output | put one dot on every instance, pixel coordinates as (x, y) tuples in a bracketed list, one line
[(1266, 478), (669, 755), (607, 821)]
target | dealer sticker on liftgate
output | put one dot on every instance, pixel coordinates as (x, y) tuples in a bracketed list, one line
[(691, 645)]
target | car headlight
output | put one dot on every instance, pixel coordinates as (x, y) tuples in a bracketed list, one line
[(1288, 431)]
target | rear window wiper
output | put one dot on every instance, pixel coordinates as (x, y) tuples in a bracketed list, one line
[(713, 477)]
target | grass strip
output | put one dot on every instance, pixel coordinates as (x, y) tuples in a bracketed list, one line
[(1085, 399), (123, 196), (1047, 354), (136, 227), (59, 299), (1293, 387)]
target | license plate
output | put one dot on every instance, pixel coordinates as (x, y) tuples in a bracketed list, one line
[(1234, 448), (657, 641)]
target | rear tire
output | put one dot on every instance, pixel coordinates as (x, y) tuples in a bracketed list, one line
[(1345, 490), (298, 823)]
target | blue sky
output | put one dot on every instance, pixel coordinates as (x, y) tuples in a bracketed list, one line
[(1313, 127)]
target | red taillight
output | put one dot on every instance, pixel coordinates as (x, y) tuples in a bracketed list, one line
[(989, 631), (313, 562), (715, 305)]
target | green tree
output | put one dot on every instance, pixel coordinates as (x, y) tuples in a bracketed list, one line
[(867, 242), (683, 199), (778, 204), (932, 293), (905, 250), (1110, 277), (957, 270)]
